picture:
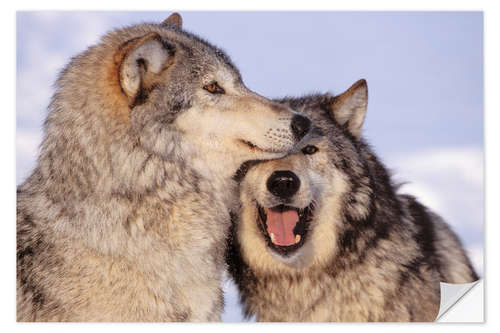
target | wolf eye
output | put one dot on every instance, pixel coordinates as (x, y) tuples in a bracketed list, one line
[(309, 150), (214, 88)]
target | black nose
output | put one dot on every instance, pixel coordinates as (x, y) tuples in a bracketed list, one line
[(300, 126), (283, 184)]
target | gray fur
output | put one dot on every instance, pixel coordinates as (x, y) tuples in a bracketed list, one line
[(370, 254), (125, 215)]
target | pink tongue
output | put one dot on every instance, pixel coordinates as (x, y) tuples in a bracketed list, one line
[(281, 224)]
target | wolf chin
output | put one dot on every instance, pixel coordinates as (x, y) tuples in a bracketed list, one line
[(323, 235), (125, 216)]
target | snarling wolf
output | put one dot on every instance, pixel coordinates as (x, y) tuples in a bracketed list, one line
[(125, 215), (322, 235)]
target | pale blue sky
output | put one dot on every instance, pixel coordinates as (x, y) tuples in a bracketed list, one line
[(424, 69), (424, 73)]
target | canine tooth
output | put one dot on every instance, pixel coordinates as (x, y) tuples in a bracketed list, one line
[(272, 237), (297, 239)]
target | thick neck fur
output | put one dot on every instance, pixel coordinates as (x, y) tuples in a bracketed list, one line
[(105, 216), (72, 182)]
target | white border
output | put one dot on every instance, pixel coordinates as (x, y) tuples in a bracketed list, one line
[(7, 123)]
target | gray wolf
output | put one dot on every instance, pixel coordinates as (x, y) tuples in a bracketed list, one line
[(323, 235), (125, 216)]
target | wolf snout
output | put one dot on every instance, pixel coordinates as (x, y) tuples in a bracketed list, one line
[(283, 184), (300, 126)]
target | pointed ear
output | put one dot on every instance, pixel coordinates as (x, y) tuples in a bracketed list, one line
[(139, 60), (350, 107), (175, 19)]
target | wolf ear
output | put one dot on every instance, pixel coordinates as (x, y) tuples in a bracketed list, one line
[(139, 60), (175, 19), (350, 107)]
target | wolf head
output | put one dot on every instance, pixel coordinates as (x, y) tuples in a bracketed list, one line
[(292, 208), (152, 93)]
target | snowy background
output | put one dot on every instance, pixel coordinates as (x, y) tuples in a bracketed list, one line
[(424, 72)]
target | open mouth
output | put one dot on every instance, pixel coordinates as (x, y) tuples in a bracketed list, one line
[(284, 227)]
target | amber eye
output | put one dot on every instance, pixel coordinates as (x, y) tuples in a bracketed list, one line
[(309, 150), (214, 88)]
